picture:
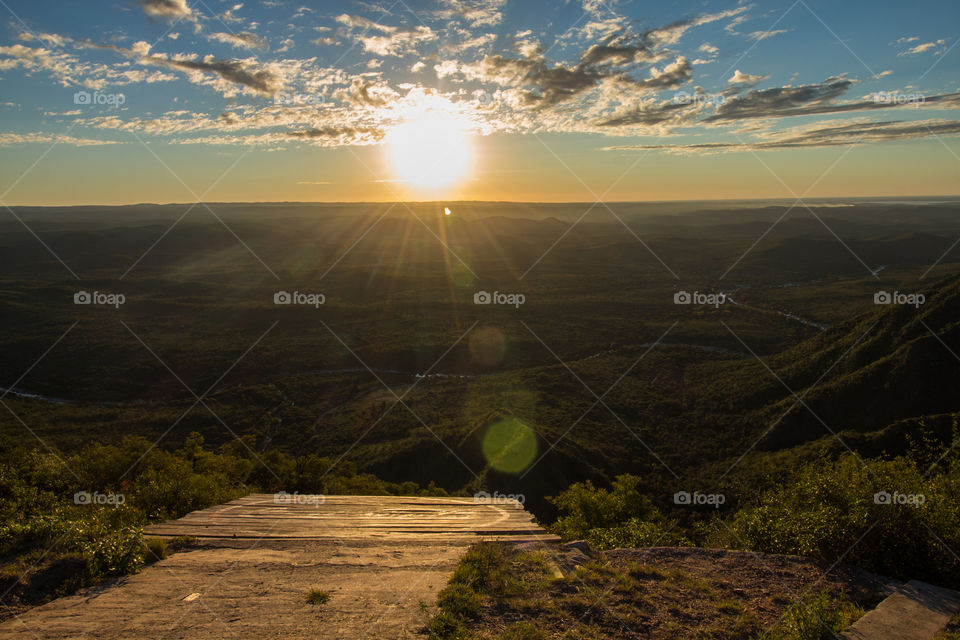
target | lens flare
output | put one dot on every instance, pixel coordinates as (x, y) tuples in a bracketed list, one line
[(510, 446)]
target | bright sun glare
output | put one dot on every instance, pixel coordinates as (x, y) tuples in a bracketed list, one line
[(430, 151)]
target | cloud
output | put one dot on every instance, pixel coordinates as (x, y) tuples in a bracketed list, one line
[(672, 33), (757, 36), (362, 93), (477, 13), (829, 135), (10, 139), (920, 48), (341, 136), (70, 71), (172, 9), (227, 16), (388, 40), (746, 79), (652, 114), (240, 72), (446, 68), (398, 43), (782, 101), (244, 40)]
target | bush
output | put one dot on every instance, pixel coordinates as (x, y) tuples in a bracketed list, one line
[(830, 512), (608, 518), (819, 617), (156, 549), (446, 626), (460, 600)]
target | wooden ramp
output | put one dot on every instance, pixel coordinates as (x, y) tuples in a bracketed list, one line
[(304, 517), (915, 611), (255, 559)]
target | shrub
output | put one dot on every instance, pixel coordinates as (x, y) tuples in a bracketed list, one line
[(831, 512), (460, 600), (446, 626), (318, 596), (819, 617), (156, 549)]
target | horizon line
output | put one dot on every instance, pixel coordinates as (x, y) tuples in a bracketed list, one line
[(468, 202)]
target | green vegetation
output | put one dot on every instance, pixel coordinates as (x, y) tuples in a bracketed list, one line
[(829, 509), (318, 596), (607, 518), (618, 597), (311, 417), (819, 617)]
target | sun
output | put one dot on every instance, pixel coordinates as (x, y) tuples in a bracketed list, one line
[(430, 151)]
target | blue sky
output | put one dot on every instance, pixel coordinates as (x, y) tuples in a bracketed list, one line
[(173, 100)]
